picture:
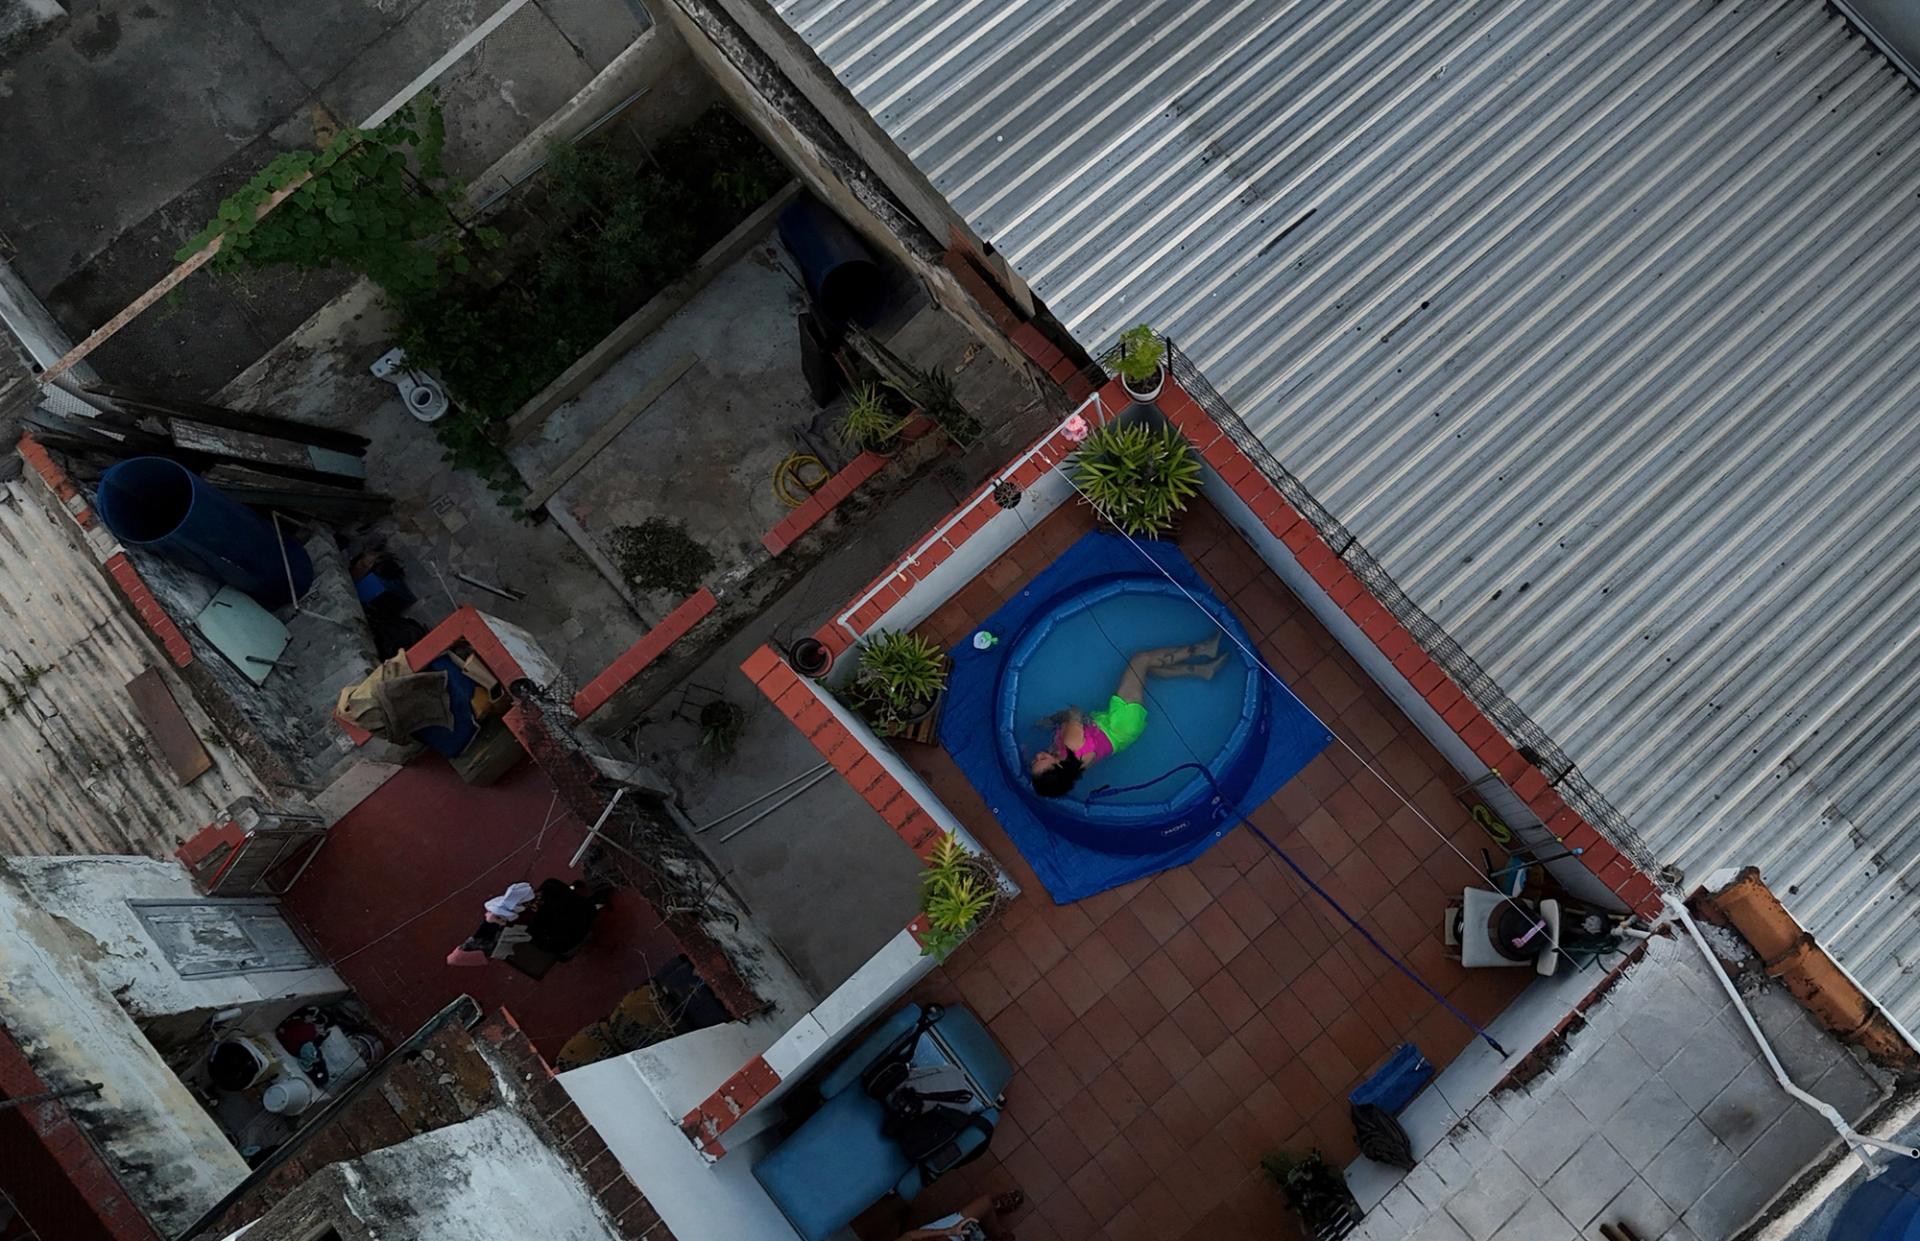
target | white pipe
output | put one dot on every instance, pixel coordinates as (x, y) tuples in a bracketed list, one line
[(593, 833), (1853, 1138)]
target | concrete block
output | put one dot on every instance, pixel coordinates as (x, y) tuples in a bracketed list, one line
[(1703, 1068), (1538, 1221), (1491, 1198), (1639, 1208), (1747, 1108), (1550, 1137), (1733, 1200), (1600, 1086), (1588, 1181), (1644, 1125), (1688, 1167)]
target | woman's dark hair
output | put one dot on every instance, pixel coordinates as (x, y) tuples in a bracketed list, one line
[(1057, 779)]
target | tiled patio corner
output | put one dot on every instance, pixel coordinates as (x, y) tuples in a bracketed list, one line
[(1170, 1032)]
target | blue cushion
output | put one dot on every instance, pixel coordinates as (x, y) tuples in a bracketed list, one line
[(834, 1167)]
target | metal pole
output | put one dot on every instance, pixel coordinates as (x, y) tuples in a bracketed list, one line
[(594, 831), (775, 806), (756, 801), (27, 1100)]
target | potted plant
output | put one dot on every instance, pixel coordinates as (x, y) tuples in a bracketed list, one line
[(721, 723), (934, 392), (1315, 1191), (867, 424), (899, 680), (1142, 362), (1137, 477), (958, 891)]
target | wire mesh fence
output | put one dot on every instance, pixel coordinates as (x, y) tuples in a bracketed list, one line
[(1527, 736)]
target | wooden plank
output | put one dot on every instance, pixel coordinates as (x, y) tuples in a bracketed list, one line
[(263, 450), (234, 419), (238, 445), (154, 703), (604, 435)]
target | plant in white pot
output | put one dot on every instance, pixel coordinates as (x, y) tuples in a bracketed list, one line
[(1142, 362)]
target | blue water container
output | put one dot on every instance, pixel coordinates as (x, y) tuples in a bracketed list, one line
[(846, 284), (162, 506)]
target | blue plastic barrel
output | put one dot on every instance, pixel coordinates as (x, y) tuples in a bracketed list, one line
[(846, 284), (161, 505)]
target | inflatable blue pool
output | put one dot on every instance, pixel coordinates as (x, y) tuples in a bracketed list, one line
[(1204, 740), (1212, 750)]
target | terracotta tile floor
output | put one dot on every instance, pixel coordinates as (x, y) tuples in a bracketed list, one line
[(1169, 1032)]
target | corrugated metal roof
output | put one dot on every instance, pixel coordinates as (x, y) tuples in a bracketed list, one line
[(79, 772), (1595, 323)]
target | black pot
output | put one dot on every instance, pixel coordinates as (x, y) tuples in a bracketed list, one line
[(810, 657)]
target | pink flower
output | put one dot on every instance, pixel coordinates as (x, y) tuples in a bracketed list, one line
[(1075, 428)]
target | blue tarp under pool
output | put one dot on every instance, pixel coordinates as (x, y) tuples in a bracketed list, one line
[(1064, 640)]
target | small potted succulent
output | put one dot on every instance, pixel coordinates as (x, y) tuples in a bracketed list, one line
[(958, 891), (1142, 362), (899, 680), (1137, 477), (868, 424)]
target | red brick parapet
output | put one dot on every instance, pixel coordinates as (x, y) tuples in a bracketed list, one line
[(800, 702), (641, 655), (120, 571), (52, 1122)]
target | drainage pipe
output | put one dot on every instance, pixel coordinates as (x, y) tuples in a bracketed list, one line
[(1854, 1139)]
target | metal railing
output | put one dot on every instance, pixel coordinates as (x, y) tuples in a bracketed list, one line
[(1527, 736)]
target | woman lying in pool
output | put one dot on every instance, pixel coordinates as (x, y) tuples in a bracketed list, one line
[(1083, 740)]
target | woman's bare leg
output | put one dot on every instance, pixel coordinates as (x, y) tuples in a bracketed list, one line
[(1194, 659)]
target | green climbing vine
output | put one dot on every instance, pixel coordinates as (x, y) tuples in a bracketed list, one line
[(377, 201), (616, 227)]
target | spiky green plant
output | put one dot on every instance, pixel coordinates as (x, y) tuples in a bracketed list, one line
[(957, 890), (1138, 478), (1140, 354), (933, 390), (898, 672), (867, 422)]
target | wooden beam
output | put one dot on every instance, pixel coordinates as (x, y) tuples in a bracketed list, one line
[(154, 703), (605, 433)]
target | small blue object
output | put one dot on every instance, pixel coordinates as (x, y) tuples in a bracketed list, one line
[(1393, 1085), (453, 742), (1065, 639), (371, 588)]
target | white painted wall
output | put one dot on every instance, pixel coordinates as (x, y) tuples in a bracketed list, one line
[(90, 895), (490, 1176), (165, 1148), (700, 1201), (1569, 872)]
